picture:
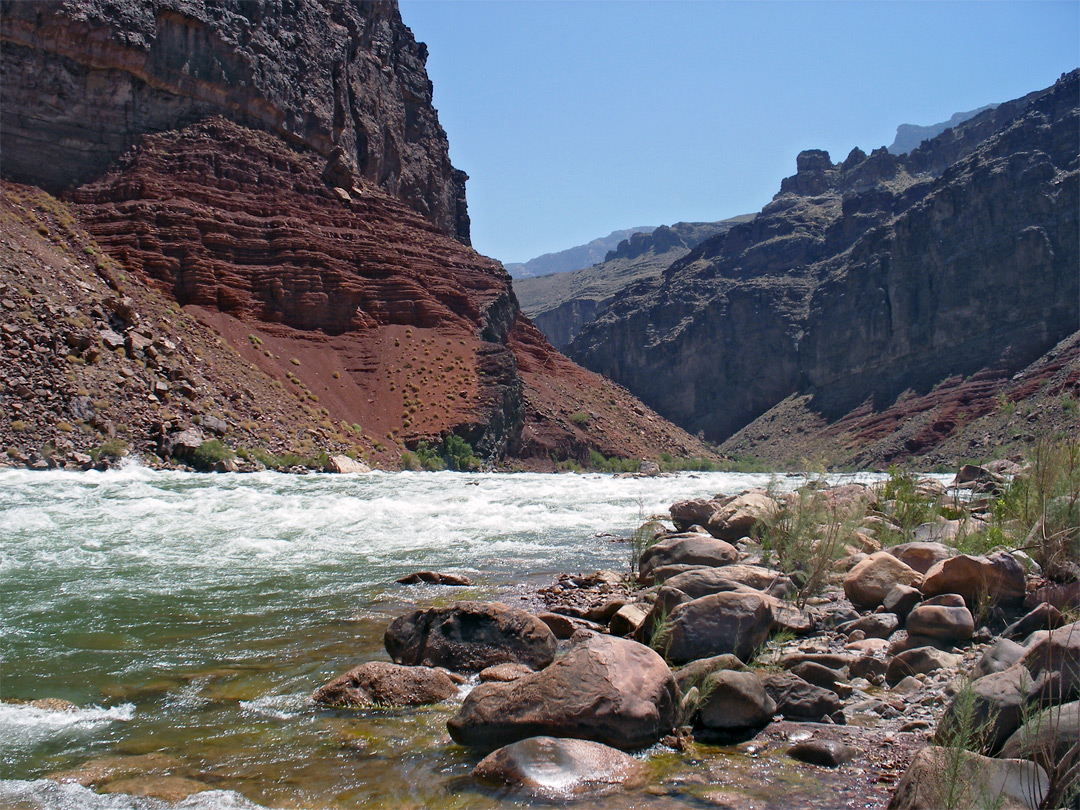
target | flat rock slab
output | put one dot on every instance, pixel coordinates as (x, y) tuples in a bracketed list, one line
[(560, 769)]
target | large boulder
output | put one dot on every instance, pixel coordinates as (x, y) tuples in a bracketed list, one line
[(1047, 738), (381, 683), (735, 700), (922, 555), (941, 777), (344, 465), (738, 516), (731, 622), (996, 579), (798, 700), (685, 549), (557, 770), (869, 582), (695, 673), (694, 512), (606, 689), (469, 637), (944, 618), (705, 581), (919, 661), (998, 657)]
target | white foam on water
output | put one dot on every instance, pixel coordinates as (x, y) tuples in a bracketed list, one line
[(45, 794), (23, 725), (279, 707)]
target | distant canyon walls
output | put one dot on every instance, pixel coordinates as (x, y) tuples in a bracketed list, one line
[(83, 80), (866, 278)]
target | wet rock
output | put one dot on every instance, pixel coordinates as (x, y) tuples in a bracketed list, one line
[(606, 689), (735, 700), (977, 781), (378, 682), (685, 549), (470, 636), (737, 517), (171, 789), (869, 582), (942, 617), (997, 578), (798, 700), (435, 578), (560, 769), (919, 660), (826, 753), (731, 622), (344, 465), (922, 555), (504, 673)]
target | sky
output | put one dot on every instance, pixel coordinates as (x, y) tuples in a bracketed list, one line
[(574, 118)]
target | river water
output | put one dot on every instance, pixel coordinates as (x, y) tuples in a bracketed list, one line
[(190, 616)]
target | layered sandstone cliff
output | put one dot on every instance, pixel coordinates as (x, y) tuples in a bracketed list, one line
[(866, 279), (83, 79)]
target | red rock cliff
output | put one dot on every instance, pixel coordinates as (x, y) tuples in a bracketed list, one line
[(84, 78)]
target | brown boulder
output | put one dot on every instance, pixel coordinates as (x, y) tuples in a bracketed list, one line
[(685, 549), (997, 578), (730, 622), (735, 700), (378, 682), (798, 700), (917, 661), (694, 512), (738, 516), (606, 689), (470, 636), (704, 581), (921, 555), (869, 582), (560, 769), (943, 620), (971, 780)]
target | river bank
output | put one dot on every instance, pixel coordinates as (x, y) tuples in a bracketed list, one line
[(201, 611)]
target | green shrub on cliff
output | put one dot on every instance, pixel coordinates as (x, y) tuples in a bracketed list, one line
[(209, 453)]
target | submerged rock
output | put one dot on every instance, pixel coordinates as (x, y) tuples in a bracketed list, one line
[(560, 769)]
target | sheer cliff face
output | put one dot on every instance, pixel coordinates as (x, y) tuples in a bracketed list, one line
[(864, 279), (83, 79)]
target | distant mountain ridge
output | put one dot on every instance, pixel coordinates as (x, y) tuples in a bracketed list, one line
[(909, 136), (561, 304), (574, 258)]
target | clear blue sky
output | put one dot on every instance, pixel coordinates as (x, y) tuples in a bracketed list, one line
[(577, 118)]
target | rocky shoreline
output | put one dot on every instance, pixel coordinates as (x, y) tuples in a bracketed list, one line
[(928, 676)]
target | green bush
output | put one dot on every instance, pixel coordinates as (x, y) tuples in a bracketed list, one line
[(579, 418), (112, 449), (209, 453)]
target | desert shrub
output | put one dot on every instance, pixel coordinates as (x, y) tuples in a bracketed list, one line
[(112, 449), (579, 418), (209, 453)]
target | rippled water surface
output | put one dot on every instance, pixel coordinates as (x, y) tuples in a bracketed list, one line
[(190, 616)]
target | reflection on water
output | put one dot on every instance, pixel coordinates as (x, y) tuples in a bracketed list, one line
[(191, 616)]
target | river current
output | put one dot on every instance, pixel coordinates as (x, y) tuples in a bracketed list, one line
[(190, 616)]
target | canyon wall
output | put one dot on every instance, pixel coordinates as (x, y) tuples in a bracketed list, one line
[(84, 79), (865, 279)]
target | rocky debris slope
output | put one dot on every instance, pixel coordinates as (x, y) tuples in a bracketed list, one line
[(323, 324), (847, 651), (560, 304), (867, 281), (347, 80)]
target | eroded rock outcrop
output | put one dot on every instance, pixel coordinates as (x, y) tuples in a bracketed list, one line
[(832, 294), (83, 80)]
